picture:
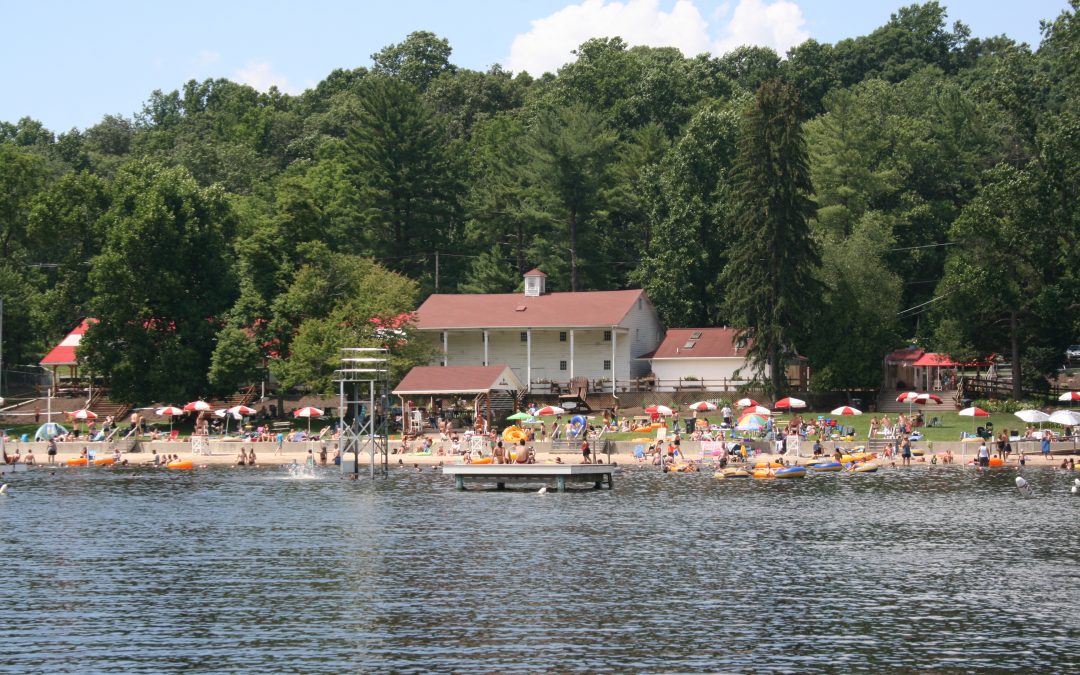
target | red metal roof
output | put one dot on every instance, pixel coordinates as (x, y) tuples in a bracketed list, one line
[(63, 354), (945, 361), (457, 380), (589, 309), (535, 272), (711, 343)]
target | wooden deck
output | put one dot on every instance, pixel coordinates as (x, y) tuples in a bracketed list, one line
[(560, 474)]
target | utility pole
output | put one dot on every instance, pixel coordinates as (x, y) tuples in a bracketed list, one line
[(436, 271), (1, 347)]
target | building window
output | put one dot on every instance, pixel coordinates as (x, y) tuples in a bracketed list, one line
[(607, 336), (562, 336), (562, 365), (524, 336), (639, 304), (607, 364)]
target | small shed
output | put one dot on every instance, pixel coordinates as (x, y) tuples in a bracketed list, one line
[(491, 388)]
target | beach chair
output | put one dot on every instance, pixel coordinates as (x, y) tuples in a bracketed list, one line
[(639, 453)]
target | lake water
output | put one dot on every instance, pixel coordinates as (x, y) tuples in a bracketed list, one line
[(248, 570)]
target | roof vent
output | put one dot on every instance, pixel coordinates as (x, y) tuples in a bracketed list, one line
[(696, 335), (689, 344), (520, 308)]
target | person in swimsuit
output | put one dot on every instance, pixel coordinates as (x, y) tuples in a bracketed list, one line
[(241, 459), (251, 457)]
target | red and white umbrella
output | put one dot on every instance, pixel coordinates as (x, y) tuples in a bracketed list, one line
[(746, 403), (241, 410), (660, 410), (907, 396), (197, 406), (1070, 396), (757, 410), (926, 398), (846, 410), (702, 406), (790, 403), (169, 410), (308, 412), (83, 414), (550, 410), (973, 412)]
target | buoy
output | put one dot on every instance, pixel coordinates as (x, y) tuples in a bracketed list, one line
[(542, 491), (1024, 488), (3, 489)]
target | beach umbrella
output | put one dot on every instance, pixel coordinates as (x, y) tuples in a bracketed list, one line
[(83, 414), (659, 410), (751, 422), (702, 406), (308, 412), (1070, 396), (197, 406), (926, 398), (757, 410), (549, 410), (746, 403), (1068, 418), (973, 412), (846, 410), (520, 416), (907, 396), (171, 411), (1032, 416), (790, 403)]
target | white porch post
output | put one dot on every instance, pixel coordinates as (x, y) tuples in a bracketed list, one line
[(445, 350), (614, 341), (528, 360), (485, 347), (571, 354)]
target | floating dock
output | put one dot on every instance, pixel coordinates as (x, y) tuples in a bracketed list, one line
[(560, 474)]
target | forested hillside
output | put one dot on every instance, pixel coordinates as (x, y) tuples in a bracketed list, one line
[(916, 183)]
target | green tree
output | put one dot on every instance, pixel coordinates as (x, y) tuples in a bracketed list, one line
[(571, 154), (160, 284), (770, 286), (406, 190), (419, 60), (235, 362), (490, 272)]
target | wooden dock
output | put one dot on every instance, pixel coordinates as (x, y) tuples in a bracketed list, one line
[(560, 474)]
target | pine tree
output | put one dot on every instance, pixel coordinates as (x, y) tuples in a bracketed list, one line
[(769, 280)]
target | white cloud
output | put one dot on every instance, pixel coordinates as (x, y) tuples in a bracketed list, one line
[(552, 39), (259, 75), (755, 22)]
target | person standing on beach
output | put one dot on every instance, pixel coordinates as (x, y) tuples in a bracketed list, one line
[(52, 451), (984, 454), (1046, 446), (905, 451), (586, 452)]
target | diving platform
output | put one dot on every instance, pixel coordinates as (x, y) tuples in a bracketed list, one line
[(546, 474)]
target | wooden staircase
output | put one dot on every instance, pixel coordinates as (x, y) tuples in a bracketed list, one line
[(242, 397), (101, 404)]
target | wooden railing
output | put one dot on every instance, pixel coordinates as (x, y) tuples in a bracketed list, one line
[(651, 384)]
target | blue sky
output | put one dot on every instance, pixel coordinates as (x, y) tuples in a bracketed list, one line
[(68, 63)]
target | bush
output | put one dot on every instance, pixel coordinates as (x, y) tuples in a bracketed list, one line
[(993, 406)]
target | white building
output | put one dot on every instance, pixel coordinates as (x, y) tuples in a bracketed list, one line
[(545, 337), (711, 359)]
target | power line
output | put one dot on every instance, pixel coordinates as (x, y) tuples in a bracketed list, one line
[(912, 248), (924, 304)]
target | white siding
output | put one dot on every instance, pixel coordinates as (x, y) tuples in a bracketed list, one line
[(643, 334), (713, 370)]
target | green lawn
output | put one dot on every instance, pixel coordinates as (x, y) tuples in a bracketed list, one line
[(951, 425)]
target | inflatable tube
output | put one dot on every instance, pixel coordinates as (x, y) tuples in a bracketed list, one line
[(423, 454), (578, 424), (482, 460), (513, 434), (732, 472), (768, 465), (181, 464), (104, 461), (997, 461), (827, 466), (791, 472), (763, 473), (865, 468), (78, 461), (646, 428)]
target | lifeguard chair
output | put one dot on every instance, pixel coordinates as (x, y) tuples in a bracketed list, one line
[(575, 398)]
